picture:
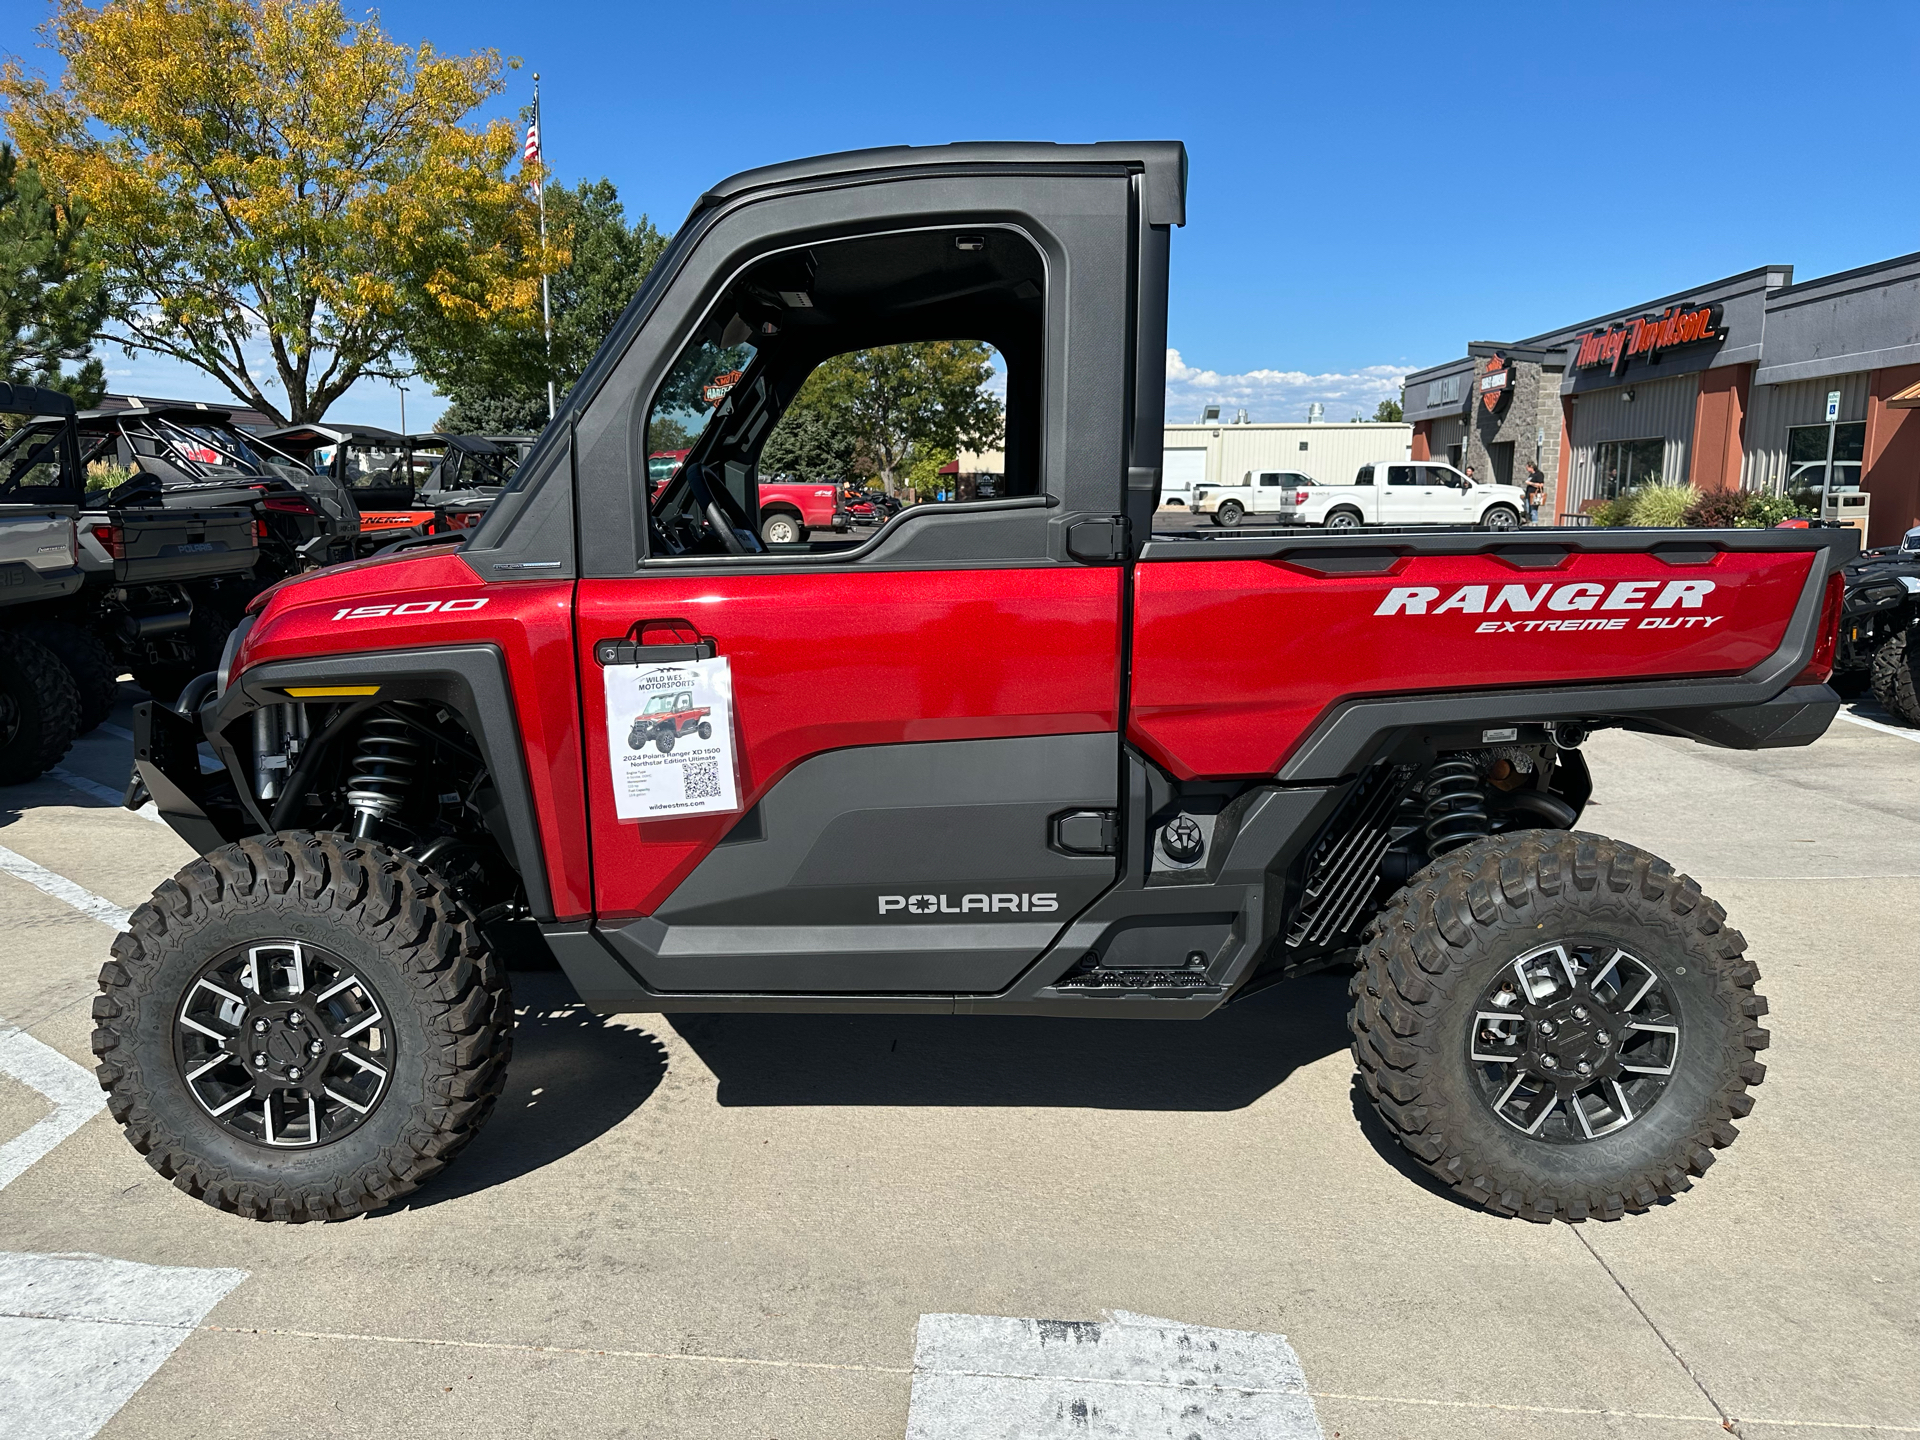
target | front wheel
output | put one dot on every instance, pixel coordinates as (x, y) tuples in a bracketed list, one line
[(302, 1027), (1557, 1025), (663, 742), (1501, 517)]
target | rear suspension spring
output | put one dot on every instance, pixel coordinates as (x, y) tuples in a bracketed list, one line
[(1456, 805)]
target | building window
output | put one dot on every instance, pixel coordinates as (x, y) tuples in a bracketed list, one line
[(1623, 465), (1807, 456)]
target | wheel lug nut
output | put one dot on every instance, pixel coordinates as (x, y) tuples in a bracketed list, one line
[(293, 1072), (1579, 1012), (1546, 1027), (314, 1047), (293, 1018), (1553, 1061), (1602, 1038), (260, 1060), (1584, 1068), (260, 1026)]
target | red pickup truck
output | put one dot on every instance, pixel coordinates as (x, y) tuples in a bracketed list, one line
[(787, 509), (1061, 779)]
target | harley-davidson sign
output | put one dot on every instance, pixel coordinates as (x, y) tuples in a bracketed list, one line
[(1496, 384), (1645, 338)]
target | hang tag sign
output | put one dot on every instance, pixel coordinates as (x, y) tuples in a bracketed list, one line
[(670, 739)]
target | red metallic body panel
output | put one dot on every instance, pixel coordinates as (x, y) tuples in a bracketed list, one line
[(530, 621), (854, 657), (1234, 661)]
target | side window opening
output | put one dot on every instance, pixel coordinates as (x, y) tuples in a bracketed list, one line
[(1402, 475), (907, 363), (1365, 477)]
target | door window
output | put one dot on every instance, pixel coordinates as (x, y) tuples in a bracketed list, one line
[(1402, 475), (1271, 478), (909, 362)]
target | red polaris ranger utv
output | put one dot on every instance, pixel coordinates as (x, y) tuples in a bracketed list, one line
[(990, 757)]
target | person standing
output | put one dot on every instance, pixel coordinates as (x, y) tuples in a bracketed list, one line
[(1536, 492)]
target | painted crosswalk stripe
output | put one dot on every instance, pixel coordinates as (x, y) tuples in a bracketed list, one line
[(991, 1377), (101, 792), (79, 1334), (73, 1093), (63, 889)]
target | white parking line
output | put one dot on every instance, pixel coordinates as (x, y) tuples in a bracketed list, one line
[(1893, 730), (74, 1094), (63, 889), (79, 1334), (102, 792), (981, 1377)]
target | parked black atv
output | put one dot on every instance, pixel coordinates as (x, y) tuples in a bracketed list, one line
[(1877, 617)]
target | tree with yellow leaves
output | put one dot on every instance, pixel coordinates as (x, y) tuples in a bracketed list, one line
[(280, 193)]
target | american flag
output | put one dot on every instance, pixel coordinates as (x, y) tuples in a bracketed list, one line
[(532, 154)]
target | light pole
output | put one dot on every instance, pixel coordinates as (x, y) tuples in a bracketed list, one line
[(403, 408)]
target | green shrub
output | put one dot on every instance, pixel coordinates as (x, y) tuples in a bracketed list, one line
[(1662, 505), (103, 477), (1609, 513), (1763, 512)]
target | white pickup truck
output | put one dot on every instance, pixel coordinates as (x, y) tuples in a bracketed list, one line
[(1419, 492)]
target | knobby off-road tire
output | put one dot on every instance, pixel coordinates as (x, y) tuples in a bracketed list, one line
[(39, 709), (1894, 684), (1435, 953), (96, 674), (391, 924)]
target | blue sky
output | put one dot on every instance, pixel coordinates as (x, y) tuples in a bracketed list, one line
[(1372, 185)]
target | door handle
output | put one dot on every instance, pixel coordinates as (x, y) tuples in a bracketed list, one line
[(677, 640)]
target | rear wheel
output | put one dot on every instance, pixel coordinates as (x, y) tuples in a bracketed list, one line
[(1557, 1025), (1229, 513), (301, 1028), (96, 674), (782, 529), (1894, 682), (1344, 518), (39, 709), (706, 730), (1501, 517)]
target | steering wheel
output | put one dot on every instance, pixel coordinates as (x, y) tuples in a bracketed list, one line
[(717, 507)]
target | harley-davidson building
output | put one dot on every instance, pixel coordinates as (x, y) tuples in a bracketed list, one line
[(1750, 382)]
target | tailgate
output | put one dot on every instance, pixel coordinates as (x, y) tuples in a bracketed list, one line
[(1247, 652), (150, 546)]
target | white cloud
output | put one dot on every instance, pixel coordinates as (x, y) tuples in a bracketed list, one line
[(1279, 395)]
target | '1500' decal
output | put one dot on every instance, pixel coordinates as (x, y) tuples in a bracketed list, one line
[(411, 607)]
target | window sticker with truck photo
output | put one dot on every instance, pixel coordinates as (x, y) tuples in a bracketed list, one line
[(670, 739)]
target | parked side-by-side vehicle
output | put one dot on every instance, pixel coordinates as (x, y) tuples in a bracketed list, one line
[(1017, 756)]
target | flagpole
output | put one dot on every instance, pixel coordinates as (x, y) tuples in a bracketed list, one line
[(546, 296)]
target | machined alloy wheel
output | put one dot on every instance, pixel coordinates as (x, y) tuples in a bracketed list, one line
[(1557, 1025), (284, 1044), (1574, 1041), (1343, 519)]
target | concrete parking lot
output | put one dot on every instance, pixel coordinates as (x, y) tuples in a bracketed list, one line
[(732, 1226)]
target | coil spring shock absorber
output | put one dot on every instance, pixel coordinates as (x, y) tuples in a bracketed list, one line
[(383, 764), (1456, 805)]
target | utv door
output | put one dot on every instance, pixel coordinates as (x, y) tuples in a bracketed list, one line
[(925, 725)]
